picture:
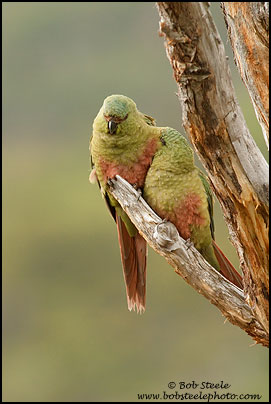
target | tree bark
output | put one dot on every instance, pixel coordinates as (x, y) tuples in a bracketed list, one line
[(213, 120), (164, 238), (248, 30)]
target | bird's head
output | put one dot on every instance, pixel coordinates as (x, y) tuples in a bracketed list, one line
[(116, 112)]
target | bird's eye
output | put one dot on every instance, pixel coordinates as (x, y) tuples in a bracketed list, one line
[(112, 127)]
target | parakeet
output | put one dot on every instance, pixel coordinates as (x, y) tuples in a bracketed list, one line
[(179, 192), (160, 162)]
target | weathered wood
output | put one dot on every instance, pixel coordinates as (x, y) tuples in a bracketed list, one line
[(164, 238), (248, 30), (213, 120)]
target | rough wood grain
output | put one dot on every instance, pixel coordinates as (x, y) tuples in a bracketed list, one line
[(164, 238), (214, 122), (248, 30)]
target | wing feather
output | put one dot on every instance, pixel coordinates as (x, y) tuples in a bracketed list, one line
[(210, 201)]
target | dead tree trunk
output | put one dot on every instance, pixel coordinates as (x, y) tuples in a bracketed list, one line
[(215, 124), (248, 29)]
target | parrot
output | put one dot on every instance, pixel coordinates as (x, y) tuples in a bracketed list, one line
[(159, 162)]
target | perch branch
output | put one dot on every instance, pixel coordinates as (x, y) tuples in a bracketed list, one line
[(164, 238), (213, 120)]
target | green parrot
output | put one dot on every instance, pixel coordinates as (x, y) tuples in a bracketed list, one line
[(160, 162)]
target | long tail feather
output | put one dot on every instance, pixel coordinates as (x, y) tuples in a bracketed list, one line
[(227, 268), (133, 256)]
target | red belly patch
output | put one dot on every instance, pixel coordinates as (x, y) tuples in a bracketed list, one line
[(135, 173), (185, 215)]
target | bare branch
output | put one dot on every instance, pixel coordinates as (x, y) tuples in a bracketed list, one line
[(164, 238), (248, 29), (215, 124)]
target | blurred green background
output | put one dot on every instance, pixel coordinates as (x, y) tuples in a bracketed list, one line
[(67, 332)]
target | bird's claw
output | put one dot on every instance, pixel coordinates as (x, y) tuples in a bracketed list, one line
[(188, 243), (110, 183), (139, 193)]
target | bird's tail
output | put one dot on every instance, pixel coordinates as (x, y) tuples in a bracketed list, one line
[(227, 268), (133, 256)]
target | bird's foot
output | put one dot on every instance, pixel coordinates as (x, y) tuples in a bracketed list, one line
[(139, 191), (188, 243), (110, 183), (163, 221)]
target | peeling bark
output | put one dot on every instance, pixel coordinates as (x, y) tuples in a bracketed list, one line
[(248, 30), (187, 262), (213, 120)]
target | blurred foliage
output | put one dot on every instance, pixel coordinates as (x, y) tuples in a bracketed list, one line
[(68, 335)]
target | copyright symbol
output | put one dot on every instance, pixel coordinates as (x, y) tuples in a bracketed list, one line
[(171, 385)]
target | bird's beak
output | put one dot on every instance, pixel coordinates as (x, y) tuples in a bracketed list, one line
[(112, 126)]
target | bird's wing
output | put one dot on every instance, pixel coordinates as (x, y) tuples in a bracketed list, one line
[(93, 178), (209, 200)]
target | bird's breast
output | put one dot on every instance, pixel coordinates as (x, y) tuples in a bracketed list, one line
[(133, 169)]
